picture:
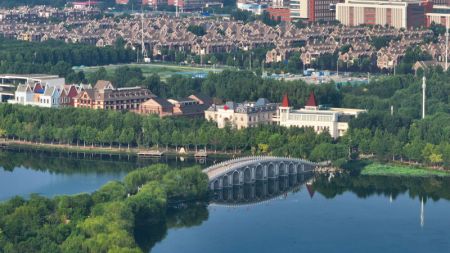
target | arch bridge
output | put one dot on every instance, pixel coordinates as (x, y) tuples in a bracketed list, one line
[(250, 169)]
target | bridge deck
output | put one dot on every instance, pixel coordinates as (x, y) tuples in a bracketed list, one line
[(224, 167)]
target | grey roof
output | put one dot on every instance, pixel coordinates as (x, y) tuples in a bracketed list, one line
[(101, 84), (205, 99), (49, 91), (163, 102), (22, 88), (231, 105), (262, 101)]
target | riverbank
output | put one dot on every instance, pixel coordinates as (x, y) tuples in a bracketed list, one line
[(105, 150), (377, 169)]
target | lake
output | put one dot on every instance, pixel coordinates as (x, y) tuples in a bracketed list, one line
[(345, 214), (50, 174), (304, 213)]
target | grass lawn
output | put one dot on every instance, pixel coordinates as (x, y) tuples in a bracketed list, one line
[(163, 70), (377, 169)]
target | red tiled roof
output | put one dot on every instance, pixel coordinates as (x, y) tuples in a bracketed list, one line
[(285, 102), (311, 100)]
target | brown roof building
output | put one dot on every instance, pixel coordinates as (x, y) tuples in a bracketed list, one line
[(194, 105), (105, 96)]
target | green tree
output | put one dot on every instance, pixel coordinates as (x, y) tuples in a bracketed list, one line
[(126, 136)]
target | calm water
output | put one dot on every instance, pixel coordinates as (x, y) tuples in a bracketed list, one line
[(347, 214), (297, 214), (50, 174)]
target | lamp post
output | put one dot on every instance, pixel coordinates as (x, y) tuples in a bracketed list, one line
[(424, 87), (337, 68), (446, 43)]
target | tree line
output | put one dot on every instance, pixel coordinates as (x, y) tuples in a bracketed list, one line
[(85, 127), (57, 57), (228, 85), (393, 128)]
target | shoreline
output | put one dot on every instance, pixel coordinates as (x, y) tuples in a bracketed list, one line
[(401, 170), (17, 145)]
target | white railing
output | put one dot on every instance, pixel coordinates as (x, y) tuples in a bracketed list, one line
[(237, 163)]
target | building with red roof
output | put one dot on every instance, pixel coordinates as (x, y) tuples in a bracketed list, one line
[(320, 118)]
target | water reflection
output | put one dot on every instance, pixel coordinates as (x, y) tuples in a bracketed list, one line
[(417, 188), (365, 191), (149, 234), (260, 191), (434, 188), (64, 162)]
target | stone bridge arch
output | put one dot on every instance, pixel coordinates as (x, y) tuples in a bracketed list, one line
[(251, 169)]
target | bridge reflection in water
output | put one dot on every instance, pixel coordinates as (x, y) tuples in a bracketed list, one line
[(260, 191)]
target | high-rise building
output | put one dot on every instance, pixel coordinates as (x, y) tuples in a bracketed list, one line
[(440, 15), (398, 14), (155, 3), (122, 1), (441, 2), (313, 10), (188, 4)]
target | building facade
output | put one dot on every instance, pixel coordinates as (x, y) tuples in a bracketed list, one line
[(279, 13), (398, 14), (440, 15), (321, 119), (313, 10), (45, 95), (105, 96), (192, 106), (36, 90), (441, 2), (242, 115)]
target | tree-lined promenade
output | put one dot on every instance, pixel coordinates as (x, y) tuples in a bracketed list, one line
[(81, 127)]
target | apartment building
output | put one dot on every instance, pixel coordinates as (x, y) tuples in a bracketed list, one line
[(313, 10), (398, 14)]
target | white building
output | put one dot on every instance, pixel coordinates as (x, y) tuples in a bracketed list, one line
[(50, 98), (250, 114), (333, 120), (255, 8), (36, 89), (9, 83)]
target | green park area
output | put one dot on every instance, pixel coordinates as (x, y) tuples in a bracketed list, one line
[(163, 70), (377, 169)]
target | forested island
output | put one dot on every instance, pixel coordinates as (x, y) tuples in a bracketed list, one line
[(104, 221)]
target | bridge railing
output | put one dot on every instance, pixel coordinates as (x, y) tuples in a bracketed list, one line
[(224, 167), (255, 158)]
